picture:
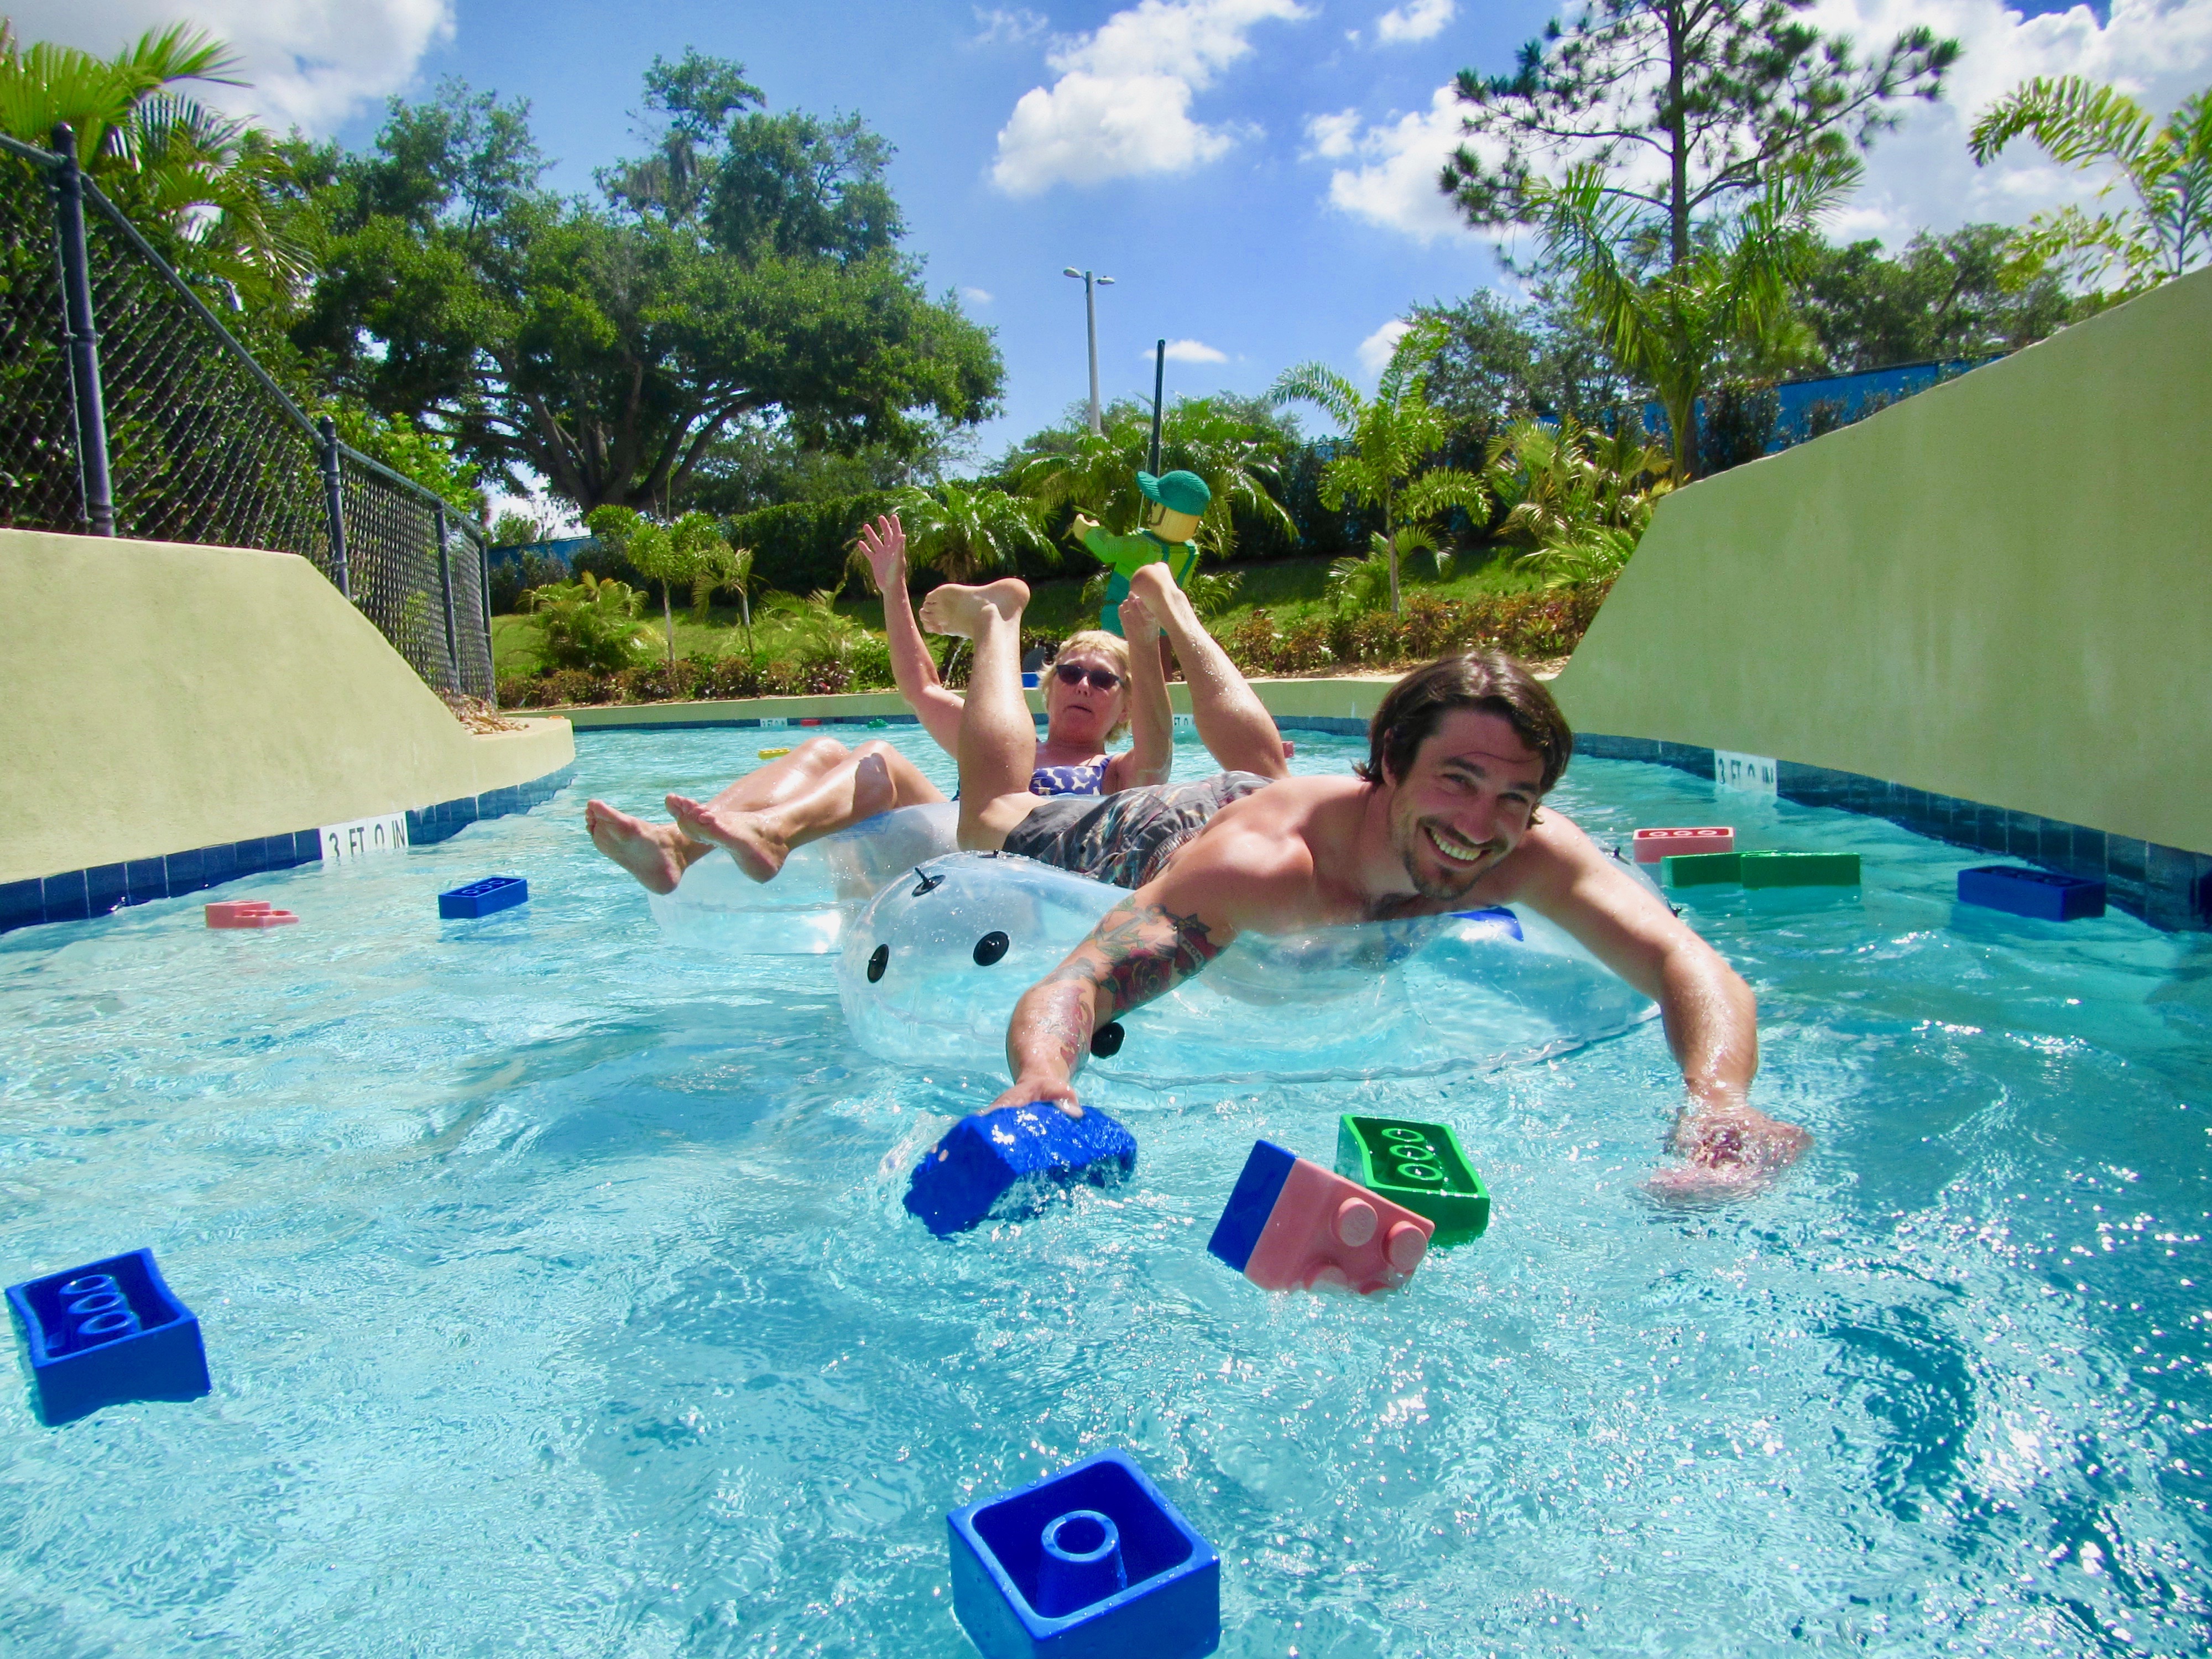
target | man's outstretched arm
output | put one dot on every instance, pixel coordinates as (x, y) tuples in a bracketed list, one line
[(1140, 949), (1711, 1015)]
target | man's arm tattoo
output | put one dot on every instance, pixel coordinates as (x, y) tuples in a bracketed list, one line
[(1136, 954)]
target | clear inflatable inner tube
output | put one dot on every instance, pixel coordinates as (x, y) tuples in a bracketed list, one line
[(930, 968), (804, 911)]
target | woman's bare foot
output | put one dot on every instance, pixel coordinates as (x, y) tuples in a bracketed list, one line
[(746, 836), (873, 792), (656, 854), (959, 610)]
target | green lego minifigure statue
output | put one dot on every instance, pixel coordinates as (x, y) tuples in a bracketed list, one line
[(1173, 507)]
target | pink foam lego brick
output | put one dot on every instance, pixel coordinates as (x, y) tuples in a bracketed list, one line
[(1325, 1230), (1652, 845)]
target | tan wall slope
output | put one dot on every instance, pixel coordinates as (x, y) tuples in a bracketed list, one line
[(161, 697), (1999, 590)]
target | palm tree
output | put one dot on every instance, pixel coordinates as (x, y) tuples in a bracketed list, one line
[(1582, 495), (166, 158), (1672, 328), (1097, 474), (1391, 438), (963, 531), (2080, 124)]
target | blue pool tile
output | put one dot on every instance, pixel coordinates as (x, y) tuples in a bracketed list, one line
[(62, 898), (219, 862), (307, 847), (2089, 852), (146, 880), (2126, 859), (22, 904), (105, 889), (186, 870), (249, 857)]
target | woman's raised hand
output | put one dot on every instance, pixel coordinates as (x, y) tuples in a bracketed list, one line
[(883, 544)]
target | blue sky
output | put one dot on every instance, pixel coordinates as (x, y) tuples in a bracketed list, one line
[(1239, 253), (1255, 173)]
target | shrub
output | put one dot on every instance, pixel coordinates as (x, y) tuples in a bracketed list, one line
[(802, 545)]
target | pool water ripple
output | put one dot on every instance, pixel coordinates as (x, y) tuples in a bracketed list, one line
[(559, 1298)]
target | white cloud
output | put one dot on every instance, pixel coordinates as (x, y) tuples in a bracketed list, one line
[(977, 296), (1189, 352), (1921, 176), (1333, 137), (1121, 105), (1008, 27), (1416, 21), (1918, 177), (312, 63), (1375, 350), (1390, 175)]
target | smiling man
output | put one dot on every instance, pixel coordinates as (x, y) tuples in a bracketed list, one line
[(1442, 816)]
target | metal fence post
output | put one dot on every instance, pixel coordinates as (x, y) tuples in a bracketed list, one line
[(334, 503), (83, 339), (483, 595), (445, 587)]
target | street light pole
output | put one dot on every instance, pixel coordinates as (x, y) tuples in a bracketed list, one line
[(1091, 284)]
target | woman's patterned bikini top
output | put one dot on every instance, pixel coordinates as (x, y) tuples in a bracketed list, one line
[(1084, 780)]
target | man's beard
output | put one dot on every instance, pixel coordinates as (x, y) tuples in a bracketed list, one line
[(1452, 885)]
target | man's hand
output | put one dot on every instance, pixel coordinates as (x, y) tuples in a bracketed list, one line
[(883, 544), (1057, 1091), (1730, 1149)]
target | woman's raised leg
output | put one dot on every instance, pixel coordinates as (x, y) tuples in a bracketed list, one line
[(1232, 722), (998, 734)]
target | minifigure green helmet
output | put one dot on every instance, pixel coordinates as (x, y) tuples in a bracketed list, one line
[(1179, 492)]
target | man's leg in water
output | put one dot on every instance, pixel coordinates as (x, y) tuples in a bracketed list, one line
[(997, 735), (659, 853), (875, 778), (1233, 723)]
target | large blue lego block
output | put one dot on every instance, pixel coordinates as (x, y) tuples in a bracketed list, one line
[(1092, 1561), (106, 1332), (2024, 891), (481, 898), (1036, 1149)]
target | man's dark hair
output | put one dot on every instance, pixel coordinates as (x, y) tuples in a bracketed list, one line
[(1488, 680)]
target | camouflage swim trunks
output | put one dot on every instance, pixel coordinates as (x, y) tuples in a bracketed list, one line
[(1126, 839)]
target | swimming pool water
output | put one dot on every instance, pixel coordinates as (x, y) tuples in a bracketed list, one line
[(559, 1300)]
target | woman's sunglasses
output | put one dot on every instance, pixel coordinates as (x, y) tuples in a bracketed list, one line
[(1102, 680)]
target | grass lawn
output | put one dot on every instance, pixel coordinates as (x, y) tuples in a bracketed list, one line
[(1291, 588)]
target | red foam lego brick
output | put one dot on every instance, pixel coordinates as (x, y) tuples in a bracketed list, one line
[(1652, 845), (246, 913)]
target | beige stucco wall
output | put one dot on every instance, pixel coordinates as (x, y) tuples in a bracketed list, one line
[(161, 697), (1999, 590)]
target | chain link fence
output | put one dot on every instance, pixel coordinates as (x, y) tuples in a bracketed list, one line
[(192, 440)]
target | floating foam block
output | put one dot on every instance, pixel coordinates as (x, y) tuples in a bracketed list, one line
[(1652, 845), (1013, 1161), (1292, 1226), (1801, 869), (106, 1332), (1420, 1166), (246, 913), (2029, 892), (481, 898), (1092, 1561), (1701, 869)]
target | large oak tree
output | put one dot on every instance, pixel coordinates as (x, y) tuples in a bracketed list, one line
[(748, 269)]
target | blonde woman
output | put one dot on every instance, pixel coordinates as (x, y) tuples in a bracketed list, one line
[(1097, 689)]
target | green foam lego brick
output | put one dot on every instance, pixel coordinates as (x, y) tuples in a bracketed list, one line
[(1801, 869), (1700, 869), (1420, 1165)]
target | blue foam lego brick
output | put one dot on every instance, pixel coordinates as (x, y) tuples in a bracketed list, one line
[(2024, 891), (1171, 1608), (1250, 1203), (84, 1356), (983, 1158), (481, 898)]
